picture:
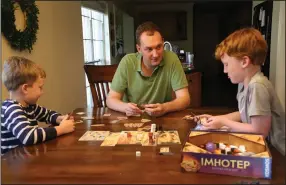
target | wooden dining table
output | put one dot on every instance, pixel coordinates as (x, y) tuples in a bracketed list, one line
[(68, 160)]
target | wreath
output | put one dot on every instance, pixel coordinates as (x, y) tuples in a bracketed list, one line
[(18, 39)]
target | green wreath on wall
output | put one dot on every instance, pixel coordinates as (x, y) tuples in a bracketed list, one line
[(18, 39)]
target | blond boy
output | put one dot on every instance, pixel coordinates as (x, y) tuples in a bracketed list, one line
[(260, 111), (19, 114)]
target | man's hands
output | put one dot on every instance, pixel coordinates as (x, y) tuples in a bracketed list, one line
[(156, 109), (131, 109)]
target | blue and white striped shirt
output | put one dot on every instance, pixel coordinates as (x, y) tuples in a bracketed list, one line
[(19, 125)]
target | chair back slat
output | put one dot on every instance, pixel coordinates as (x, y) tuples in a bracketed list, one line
[(107, 86), (99, 78)]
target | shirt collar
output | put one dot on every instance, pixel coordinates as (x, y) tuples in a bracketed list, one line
[(139, 58)]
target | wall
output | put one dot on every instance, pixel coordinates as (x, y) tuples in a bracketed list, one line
[(59, 50), (187, 45), (128, 34), (277, 55), (254, 3)]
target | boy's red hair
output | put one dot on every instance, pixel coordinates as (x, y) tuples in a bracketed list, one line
[(244, 42)]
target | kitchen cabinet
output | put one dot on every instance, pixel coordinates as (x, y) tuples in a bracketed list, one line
[(195, 88)]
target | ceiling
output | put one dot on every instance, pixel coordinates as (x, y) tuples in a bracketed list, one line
[(128, 6)]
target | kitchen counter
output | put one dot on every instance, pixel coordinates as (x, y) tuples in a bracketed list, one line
[(189, 71)]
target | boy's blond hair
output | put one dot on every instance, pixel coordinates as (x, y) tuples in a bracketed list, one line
[(18, 71), (244, 42)]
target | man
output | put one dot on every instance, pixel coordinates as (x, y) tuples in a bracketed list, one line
[(148, 77)]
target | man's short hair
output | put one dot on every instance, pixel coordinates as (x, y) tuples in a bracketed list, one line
[(244, 42), (148, 27), (18, 71)]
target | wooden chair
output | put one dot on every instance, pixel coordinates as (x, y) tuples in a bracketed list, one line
[(99, 78)]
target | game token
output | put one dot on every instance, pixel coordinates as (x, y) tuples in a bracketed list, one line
[(221, 146), (210, 146), (138, 153), (242, 148), (217, 151), (153, 127)]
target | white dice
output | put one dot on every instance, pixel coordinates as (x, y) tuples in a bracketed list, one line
[(138, 153)]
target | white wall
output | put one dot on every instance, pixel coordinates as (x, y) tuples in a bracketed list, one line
[(277, 55), (59, 50), (187, 45), (277, 49)]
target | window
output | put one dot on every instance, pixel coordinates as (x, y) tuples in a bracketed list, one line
[(95, 41)]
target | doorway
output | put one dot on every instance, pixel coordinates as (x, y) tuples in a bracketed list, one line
[(213, 21)]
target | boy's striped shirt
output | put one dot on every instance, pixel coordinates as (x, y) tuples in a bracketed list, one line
[(19, 125)]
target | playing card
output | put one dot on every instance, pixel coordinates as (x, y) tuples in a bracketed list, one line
[(129, 137), (146, 128), (79, 121), (80, 113), (97, 125), (145, 120), (188, 117), (149, 139), (168, 137), (111, 140), (136, 115), (122, 118), (87, 117), (114, 121), (94, 135), (164, 150)]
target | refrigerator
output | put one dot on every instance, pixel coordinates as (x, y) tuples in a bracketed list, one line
[(262, 20)]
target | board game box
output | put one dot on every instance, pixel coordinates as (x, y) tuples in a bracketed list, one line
[(226, 153)]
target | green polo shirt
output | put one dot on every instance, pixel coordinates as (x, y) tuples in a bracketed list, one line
[(167, 77)]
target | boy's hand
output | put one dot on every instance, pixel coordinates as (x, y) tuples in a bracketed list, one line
[(197, 118), (61, 118), (66, 126), (214, 122)]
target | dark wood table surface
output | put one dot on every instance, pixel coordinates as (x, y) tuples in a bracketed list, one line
[(67, 160)]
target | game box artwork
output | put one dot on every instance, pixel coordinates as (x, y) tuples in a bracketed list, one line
[(226, 153)]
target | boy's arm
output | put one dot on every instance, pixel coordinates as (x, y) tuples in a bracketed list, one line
[(234, 116), (45, 115), (259, 125), (17, 123)]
